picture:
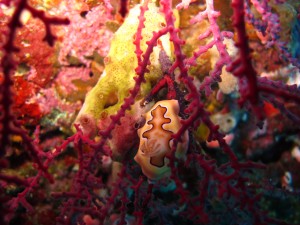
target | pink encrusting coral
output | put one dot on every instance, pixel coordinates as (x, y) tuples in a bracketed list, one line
[(86, 34), (178, 126)]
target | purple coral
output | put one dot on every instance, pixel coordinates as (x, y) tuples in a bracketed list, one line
[(208, 187)]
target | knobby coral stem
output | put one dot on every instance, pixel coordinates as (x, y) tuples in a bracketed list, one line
[(166, 80), (288, 93), (196, 107), (9, 123), (227, 181), (218, 39), (138, 34), (139, 79), (242, 67)]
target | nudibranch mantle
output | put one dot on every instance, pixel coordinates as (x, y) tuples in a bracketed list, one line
[(162, 121)]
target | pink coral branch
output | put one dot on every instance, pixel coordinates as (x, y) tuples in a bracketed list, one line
[(130, 191), (242, 67), (139, 79), (218, 39), (138, 35), (48, 21), (33, 182), (8, 121), (250, 86), (269, 26), (195, 108), (270, 19), (289, 93)]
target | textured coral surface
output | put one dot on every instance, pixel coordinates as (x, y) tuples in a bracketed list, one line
[(151, 112)]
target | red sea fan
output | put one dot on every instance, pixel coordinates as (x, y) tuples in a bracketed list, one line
[(79, 182)]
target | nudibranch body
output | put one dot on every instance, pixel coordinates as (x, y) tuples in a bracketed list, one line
[(162, 121)]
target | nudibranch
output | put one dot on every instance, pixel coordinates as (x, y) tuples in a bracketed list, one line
[(162, 121)]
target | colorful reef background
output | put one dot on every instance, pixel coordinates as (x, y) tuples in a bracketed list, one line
[(166, 112)]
